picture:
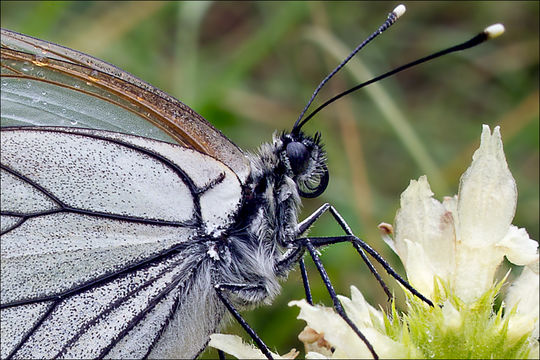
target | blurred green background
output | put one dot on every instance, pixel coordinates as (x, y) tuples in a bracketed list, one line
[(250, 67)]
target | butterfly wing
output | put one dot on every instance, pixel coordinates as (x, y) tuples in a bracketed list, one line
[(108, 197), (103, 243), (47, 84), (140, 313)]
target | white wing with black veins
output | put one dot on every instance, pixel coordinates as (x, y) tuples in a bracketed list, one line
[(104, 239)]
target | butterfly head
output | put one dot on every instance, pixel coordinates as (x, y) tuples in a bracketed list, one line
[(305, 159)]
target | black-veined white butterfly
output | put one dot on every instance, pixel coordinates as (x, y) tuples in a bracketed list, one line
[(131, 232)]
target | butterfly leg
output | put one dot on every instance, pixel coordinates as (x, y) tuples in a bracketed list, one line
[(221, 355), (359, 245), (220, 290), (337, 304), (311, 244), (347, 229), (310, 220), (305, 280)]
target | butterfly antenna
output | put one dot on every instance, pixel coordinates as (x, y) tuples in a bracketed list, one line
[(489, 33), (392, 17)]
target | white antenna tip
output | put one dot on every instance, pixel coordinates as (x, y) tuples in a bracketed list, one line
[(494, 30), (399, 10)]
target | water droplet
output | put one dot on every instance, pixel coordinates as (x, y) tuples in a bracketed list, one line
[(41, 74), (26, 66), (73, 122), (4, 83), (43, 93), (28, 85)]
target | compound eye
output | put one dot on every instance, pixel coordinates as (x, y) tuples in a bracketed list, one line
[(310, 190), (298, 155)]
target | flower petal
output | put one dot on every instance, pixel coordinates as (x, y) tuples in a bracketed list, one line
[(518, 247), (451, 316), (420, 271), (475, 270), (359, 310), (487, 194), (387, 231), (339, 334), (450, 203), (234, 345), (315, 342), (326, 322), (315, 355), (424, 220), (524, 294)]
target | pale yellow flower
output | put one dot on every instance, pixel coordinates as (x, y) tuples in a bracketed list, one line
[(464, 239)]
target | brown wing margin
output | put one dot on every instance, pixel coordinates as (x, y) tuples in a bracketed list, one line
[(162, 110)]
